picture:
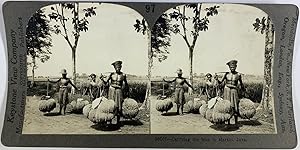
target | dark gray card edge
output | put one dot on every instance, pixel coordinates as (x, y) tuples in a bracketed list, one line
[(10, 139)]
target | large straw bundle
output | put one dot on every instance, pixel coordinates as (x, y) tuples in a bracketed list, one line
[(189, 106), (76, 106), (203, 110), (222, 111), (209, 115), (86, 110), (47, 105), (92, 115), (164, 105), (247, 108), (105, 112), (130, 108), (107, 106)]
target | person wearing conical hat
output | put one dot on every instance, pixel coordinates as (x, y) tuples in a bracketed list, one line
[(118, 87), (179, 90), (63, 90), (231, 80)]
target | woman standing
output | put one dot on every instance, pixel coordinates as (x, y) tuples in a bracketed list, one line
[(93, 88), (210, 87), (231, 80), (118, 87), (63, 91), (179, 90)]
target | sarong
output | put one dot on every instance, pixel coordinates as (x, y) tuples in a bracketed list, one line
[(95, 92), (231, 94), (63, 98), (179, 96), (116, 94), (211, 91)]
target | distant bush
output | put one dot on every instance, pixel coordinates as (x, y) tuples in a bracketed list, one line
[(253, 89), (40, 88), (157, 89), (137, 90)]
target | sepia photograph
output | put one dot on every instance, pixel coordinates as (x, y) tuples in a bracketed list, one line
[(212, 70), (149, 74), (98, 68), (87, 70)]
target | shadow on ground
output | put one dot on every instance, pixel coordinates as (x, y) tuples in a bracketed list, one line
[(169, 114), (250, 122), (226, 127), (132, 122), (105, 127), (52, 114)]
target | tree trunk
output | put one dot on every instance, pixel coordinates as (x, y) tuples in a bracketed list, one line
[(191, 50), (267, 98), (33, 69), (74, 68), (146, 103)]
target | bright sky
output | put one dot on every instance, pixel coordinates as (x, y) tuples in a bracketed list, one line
[(111, 37), (230, 36)]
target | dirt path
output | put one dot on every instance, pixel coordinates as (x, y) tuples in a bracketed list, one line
[(36, 123), (171, 123)]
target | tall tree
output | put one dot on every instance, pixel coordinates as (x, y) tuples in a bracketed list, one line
[(38, 40), (158, 43), (65, 14), (188, 23), (265, 27)]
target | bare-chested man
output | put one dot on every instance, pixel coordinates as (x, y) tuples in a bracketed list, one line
[(117, 80), (63, 91), (179, 90), (231, 80)]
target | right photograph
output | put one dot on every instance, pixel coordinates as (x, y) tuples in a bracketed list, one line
[(211, 70)]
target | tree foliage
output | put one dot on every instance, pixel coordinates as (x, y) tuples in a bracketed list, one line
[(260, 25), (181, 19), (60, 15), (160, 35), (188, 23), (176, 22), (38, 37), (158, 42), (70, 20), (265, 27)]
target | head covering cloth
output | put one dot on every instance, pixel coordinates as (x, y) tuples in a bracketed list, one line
[(117, 63), (232, 62), (63, 71), (208, 75), (179, 71), (93, 75)]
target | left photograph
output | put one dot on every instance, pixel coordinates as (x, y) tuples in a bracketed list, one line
[(82, 71)]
